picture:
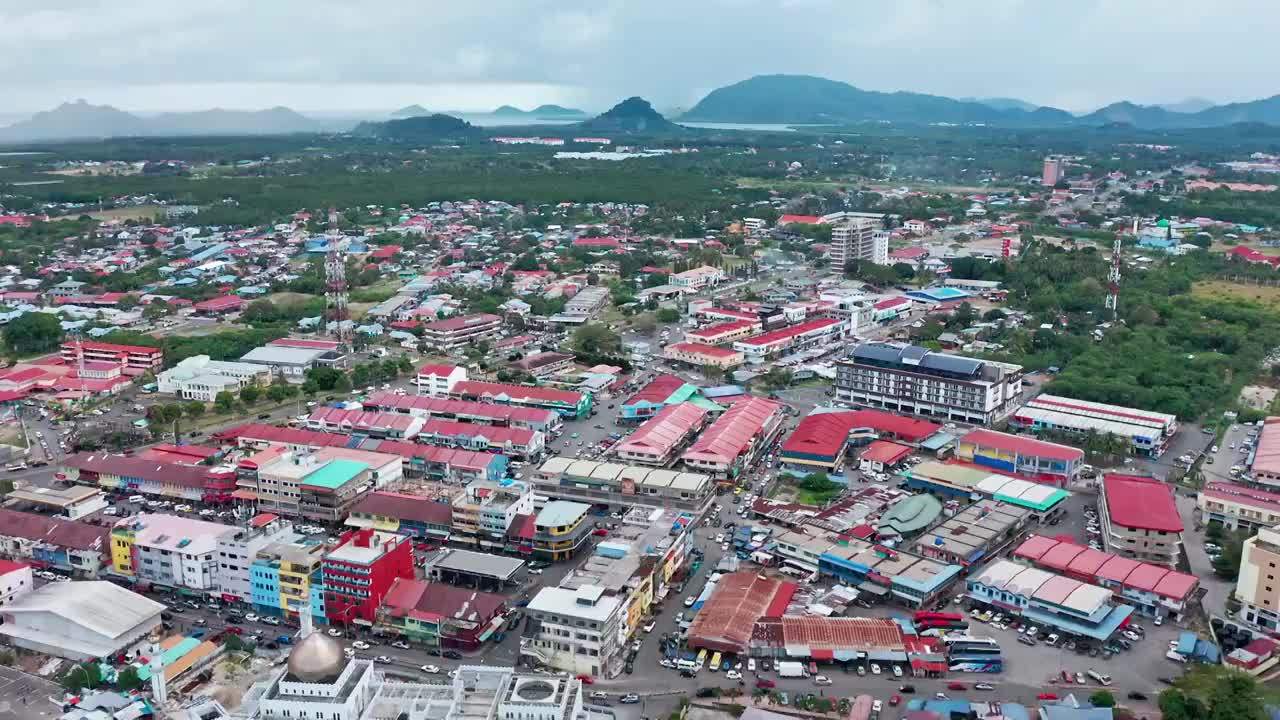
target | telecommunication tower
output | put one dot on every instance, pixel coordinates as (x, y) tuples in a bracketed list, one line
[(1113, 276), (335, 275)]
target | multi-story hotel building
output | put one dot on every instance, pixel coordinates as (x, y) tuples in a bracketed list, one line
[(916, 380)]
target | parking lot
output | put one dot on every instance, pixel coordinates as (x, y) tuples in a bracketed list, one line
[(26, 696)]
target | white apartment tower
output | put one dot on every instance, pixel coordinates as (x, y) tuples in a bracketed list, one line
[(858, 239)]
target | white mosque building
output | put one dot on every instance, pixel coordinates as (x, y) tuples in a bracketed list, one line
[(319, 683)]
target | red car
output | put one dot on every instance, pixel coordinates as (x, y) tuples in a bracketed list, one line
[(1046, 696), (894, 700), (764, 683), (235, 630), (957, 686), (602, 532), (1066, 677), (587, 679)]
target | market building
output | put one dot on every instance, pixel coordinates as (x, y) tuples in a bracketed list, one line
[(1048, 600), (79, 621), (589, 481), (1154, 590), (657, 440), (735, 439), (1037, 460), (1150, 432)]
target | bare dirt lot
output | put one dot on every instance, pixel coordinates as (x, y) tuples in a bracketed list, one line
[(1220, 290)]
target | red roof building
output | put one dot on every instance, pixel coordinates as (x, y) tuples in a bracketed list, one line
[(821, 440), (1021, 456), (800, 219), (220, 305), (565, 402), (596, 242), (735, 438), (462, 619), (723, 333), (1139, 503), (725, 622), (654, 442), (1152, 589)]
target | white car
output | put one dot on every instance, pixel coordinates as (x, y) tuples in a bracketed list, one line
[(751, 664), (733, 675), (430, 669), (599, 695), (649, 628), (897, 671), (875, 669), (251, 618), (720, 538), (689, 601), (877, 706), (360, 645), (335, 632), (271, 620), (1031, 630), (821, 680)]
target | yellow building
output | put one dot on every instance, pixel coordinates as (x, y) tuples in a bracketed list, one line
[(122, 556), (560, 529)]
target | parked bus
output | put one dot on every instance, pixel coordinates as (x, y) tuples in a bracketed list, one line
[(687, 663), (927, 616), (943, 624), (967, 645), (976, 663), (1100, 678), (715, 662), (702, 659)]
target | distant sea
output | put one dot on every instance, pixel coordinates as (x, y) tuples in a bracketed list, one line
[(760, 127)]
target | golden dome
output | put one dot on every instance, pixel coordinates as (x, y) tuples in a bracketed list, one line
[(317, 659)]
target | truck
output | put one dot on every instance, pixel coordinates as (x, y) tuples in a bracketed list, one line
[(791, 669)]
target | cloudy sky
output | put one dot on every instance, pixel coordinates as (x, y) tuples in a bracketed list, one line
[(148, 55)]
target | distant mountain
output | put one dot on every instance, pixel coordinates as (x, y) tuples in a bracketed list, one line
[(79, 120), (410, 111), (542, 111), (75, 120), (633, 115), (1265, 111), (1000, 103), (805, 99), (1190, 105), (273, 121), (434, 128)]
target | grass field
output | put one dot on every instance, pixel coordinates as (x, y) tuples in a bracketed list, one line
[(139, 212), (1218, 290)]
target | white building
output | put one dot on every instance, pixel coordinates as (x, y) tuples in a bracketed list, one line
[(698, 278), (916, 380), (581, 631), (438, 380), (200, 378), (79, 620), (858, 239), (15, 581), (236, 552), (318, 683), (173, 551)]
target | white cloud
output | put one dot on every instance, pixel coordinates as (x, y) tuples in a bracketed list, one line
[(1076, 55)]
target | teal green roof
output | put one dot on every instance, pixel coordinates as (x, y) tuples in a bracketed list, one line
[(690, 394), (1052, 499), (911, 515), (335, 474)]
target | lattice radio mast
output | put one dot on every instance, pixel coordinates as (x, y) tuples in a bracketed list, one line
[(1113, 276), (335, 275)]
